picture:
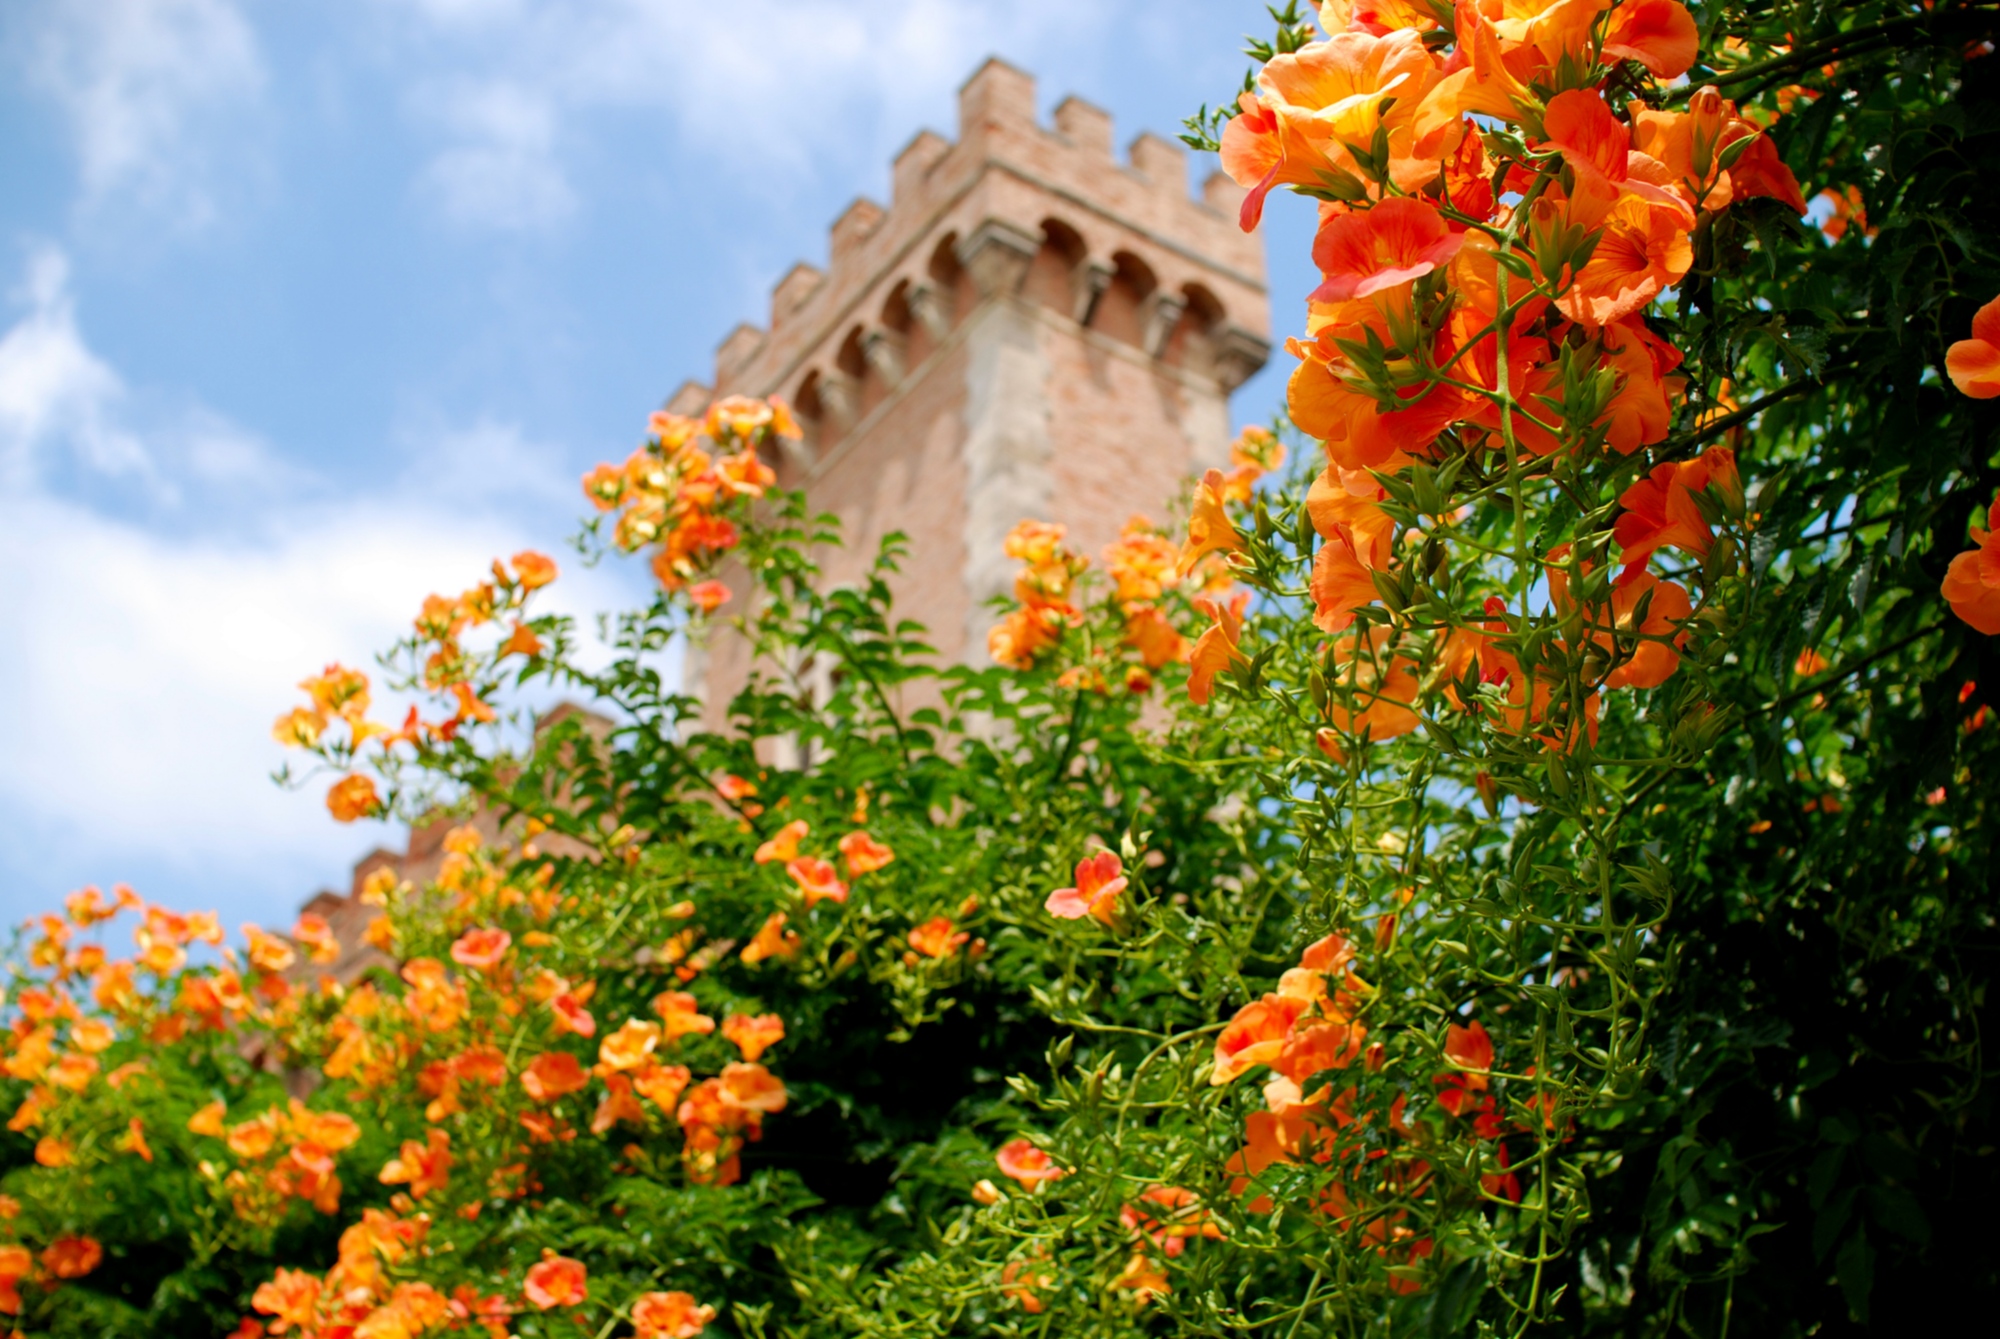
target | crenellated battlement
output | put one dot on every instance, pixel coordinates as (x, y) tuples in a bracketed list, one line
[(1141, 259)]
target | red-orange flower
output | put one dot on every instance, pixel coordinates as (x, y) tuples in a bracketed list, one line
[(935, 938), (1020, 1278), (1255, 1036), (816, 879), (783, 846), (353, 797), (1974, 364), (1168, 1216), (753, 1034), (553, 1074), (709, 596), (1972, 583), (571, 1016), (291, 1297), (1100, 879), (556, 1281), (481, 949), (864, 854), (1027, 1164), (1660, 510), (1659, 34), (423, 1167), (71, 1257), (673, 1315), (1364, 252)]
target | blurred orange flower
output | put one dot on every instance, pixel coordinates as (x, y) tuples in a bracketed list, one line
[(553, 1074), (682, 1015), (864, 854), (772, 940), (533, 570), (631, 1046), (481, 948), (753, 1035), (423, 1167), (1027, 1164), (935, 938), (709, 596), (783, 846), (353, 797), (669, 1316), (817, 880), (556, 1281), (71, 1257)]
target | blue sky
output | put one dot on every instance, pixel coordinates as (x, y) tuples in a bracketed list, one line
[(309, 307)]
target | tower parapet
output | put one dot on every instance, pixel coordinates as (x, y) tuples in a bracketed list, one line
[(1030, 328)]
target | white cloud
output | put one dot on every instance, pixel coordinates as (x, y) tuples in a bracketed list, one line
[(152, 664), (502, 172), (152, 89), (810, 85), (55, 391)]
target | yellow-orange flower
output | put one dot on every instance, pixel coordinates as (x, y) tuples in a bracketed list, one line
[(673, 1315), (533, 570), (682, 1015), (753, 1035), (134, 1139), (864, 854), (772, 940), (291, 1297), (784, 845), (353, 797), (1209, 527), (661, 1084), (935, 938), (299, 728), (1217, 647), (631, 1046)]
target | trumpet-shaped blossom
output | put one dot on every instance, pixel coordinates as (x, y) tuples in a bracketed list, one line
[(1100, 879), (1974, 364), (1026, 1163)]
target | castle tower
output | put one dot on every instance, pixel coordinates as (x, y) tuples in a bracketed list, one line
[(1030, 329)]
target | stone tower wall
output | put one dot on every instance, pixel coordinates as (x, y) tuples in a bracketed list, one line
[(1030, 328)]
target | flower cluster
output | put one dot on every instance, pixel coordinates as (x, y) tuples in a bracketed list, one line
[(334, 724), (1377, 1157), (675, 493), (1972, 585), (1493, 230)]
